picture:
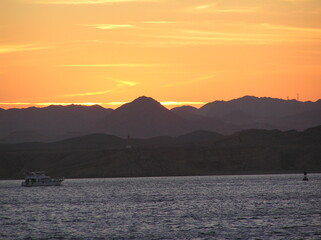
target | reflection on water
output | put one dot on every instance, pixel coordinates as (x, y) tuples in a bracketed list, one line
[(213, 207)]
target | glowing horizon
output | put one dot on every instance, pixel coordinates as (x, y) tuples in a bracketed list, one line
[(113, 105), (108, 51)]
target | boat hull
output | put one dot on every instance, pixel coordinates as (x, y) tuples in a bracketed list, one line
[(57, 182)]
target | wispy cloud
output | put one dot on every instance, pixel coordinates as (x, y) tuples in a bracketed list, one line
[(17, 104), (297, 1), (120, 26), (228, 33), (86, 94), (239, 34), (199, 37), (158, 22), (21, 47), (202, 7), (108, 26), (117, 65), (66, 104), (235, 10), (290, 28), (214, 8), (87, 2), (121, 83)]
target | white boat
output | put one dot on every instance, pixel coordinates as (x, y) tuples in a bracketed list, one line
[(36, 179)]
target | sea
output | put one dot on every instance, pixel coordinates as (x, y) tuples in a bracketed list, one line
[(204, 207)]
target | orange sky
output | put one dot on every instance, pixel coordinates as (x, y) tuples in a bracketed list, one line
[(178, 51)]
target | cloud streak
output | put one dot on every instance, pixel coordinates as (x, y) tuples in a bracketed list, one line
[(239, 34), (86, 2), (126, 83), (201, 7), (117, 65), (21, 47), (109, 26), (158, 22), (215, 8), (44, 104), (233, 34), (86, 94), (290, 28)]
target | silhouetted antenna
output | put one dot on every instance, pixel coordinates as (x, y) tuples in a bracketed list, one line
[(297, 96), (287, 98)]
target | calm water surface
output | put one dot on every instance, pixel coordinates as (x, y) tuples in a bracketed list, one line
[(214, 207)]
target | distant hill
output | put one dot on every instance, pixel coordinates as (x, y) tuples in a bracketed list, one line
[(260, 107), (92, 141), (209, 123), (200, 136), (299, 121), (25, 136), (264, 113), (50, 123), (144, 117), (185, 110), (200, 152)]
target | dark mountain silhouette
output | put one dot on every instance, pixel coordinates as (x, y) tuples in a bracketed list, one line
[(185, 110), (259, 107), (195, 138), (24, 136), (92, 141), (299, 121), (260, 137), (146, 118), (312, 135), (245, 120), (200, 136), (205, 123), (265, 113), (197, 153), (50, 123)]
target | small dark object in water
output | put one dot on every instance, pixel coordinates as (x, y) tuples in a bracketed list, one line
[(305, 178)]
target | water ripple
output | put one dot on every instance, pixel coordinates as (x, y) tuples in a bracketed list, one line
[(216, 207)]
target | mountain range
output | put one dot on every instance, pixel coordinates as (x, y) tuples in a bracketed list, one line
[(201, 152), (146, 118)]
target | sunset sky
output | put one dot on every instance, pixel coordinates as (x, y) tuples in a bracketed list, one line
[(179, 52)]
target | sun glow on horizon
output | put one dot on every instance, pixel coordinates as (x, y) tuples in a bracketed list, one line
[(85, 2), (8, 105)]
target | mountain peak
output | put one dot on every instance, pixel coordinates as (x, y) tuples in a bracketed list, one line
[(184, 108), (145, 117), (145, 100), (143, 103), (247, 97)]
